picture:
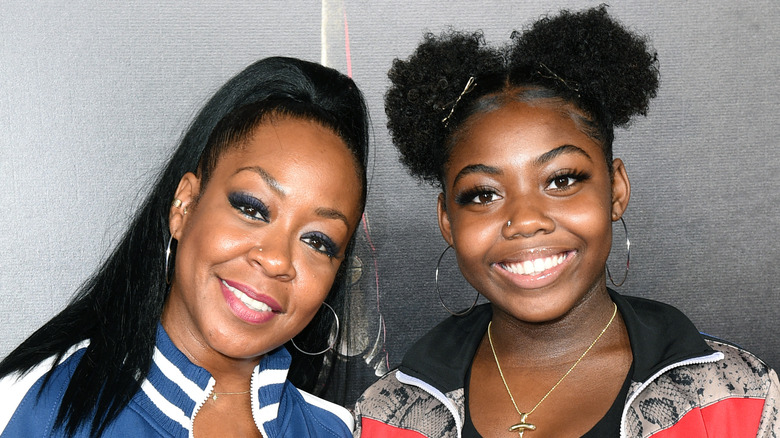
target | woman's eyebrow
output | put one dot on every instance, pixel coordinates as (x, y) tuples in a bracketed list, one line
[(327, 213), (271, 181), (560, 150), (332, 213)]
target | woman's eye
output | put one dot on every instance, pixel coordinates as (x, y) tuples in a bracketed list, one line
[(321, 243), (251, 212), (249, 206)]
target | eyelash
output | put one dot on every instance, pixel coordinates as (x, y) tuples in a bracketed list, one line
[(249, 206), (321, 243), (467, 197), (574, 177), (255, 209)]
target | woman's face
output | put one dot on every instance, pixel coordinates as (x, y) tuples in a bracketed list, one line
[(259, 246), (531, 165)]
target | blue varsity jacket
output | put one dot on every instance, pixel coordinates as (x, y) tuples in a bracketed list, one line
[(169, 399)]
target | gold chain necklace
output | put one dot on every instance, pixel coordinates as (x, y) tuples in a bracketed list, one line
[(215, 393), (524, 425)]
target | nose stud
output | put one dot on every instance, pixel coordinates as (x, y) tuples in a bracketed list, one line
[(508, 224)]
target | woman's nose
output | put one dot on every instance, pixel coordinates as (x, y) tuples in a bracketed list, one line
[(273, 255)]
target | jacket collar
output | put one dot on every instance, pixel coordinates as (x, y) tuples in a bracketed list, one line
[(175, 388), (658, 333)]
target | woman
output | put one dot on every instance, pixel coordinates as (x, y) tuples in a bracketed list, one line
[(520, 142), (243, 240)]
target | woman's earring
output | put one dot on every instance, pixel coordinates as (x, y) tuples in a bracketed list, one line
[(167, 259), (438, 291), (628, 258), (332, 344)]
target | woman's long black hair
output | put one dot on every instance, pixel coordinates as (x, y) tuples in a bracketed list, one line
[(119, 307)]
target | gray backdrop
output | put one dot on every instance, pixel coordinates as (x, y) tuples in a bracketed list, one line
[(94, 96)]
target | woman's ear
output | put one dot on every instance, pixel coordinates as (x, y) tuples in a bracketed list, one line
[(444, 219), (185, 198), (621, 189)]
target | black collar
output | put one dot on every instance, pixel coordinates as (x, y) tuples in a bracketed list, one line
[(659, 335)]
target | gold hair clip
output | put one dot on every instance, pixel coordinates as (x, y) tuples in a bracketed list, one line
[(469, 86), (573, 86)]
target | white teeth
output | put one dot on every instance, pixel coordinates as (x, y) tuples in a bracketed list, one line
[(253, 304), (536, 266)]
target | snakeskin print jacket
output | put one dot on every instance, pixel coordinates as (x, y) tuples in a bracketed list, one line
[(683, 384)]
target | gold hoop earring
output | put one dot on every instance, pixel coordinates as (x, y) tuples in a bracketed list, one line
[(628, 258), (438, 291), (332, 344)]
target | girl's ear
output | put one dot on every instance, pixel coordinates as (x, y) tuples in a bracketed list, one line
[(185, 198), (444, 219), (621, 189)]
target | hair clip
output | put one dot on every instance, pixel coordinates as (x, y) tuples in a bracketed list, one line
[(573, 86), (469, 86)]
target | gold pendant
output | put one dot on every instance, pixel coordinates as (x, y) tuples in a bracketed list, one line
[(522, 426)]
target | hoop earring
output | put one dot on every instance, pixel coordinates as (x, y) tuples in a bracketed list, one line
[(628, 258), (167, 258), (332, 345), (438, 291)]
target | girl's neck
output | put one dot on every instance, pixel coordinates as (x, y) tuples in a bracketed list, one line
[(561, 340)]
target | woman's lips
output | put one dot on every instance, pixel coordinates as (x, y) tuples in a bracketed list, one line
[(248, 305), (536, 272)]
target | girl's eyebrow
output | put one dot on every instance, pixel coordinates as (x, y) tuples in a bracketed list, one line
[(476, 168), (539, 161), (560, 150)]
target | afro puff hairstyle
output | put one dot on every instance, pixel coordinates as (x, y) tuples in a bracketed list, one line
[(584, 58)]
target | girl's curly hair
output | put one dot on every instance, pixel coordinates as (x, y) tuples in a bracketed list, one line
[(584, 58)]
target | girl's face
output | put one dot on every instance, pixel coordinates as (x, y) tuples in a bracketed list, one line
[(260, 245), (528, 208)]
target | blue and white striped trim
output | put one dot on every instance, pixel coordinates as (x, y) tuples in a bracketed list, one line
[(14, 387), (267, 385)]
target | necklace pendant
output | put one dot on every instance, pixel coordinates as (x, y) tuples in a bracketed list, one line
[(214, 397), (522, 426)]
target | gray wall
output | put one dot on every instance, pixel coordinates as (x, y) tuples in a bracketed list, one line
[(94, 95)]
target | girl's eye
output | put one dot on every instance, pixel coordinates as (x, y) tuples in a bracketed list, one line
[(560, 182), (565, 181), (249, 206), (321, 243), (477, 196), (484, 198)]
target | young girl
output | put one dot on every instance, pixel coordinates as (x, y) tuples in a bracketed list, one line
[(520, 142), (239, 248)]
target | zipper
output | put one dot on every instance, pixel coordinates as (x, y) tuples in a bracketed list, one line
[(714, 357), (256, 401), (425, 386), (207, 392)]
